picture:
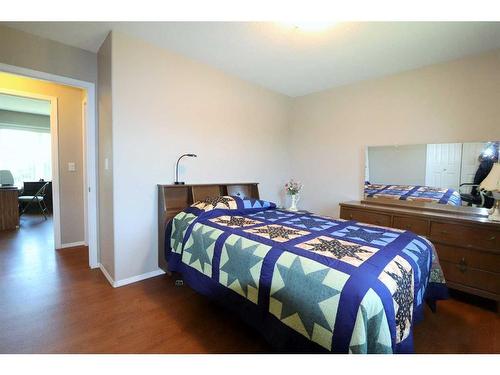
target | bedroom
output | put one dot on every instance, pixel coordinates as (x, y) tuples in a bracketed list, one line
[(260, 103)]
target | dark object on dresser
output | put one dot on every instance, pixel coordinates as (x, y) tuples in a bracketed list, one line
[(476, 196), (467, 243), (172, 199)]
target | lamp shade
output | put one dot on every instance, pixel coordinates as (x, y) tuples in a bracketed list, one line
[(492, 181)]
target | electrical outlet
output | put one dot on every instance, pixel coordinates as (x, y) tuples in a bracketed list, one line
[(71, 167)]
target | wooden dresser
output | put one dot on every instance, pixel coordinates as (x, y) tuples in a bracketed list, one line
[(9, 208), (467, 243)]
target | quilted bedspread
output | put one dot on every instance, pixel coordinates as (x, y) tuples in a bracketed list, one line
[(414, 193), (307, 282)]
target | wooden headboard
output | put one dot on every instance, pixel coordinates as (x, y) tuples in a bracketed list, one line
[(172, 199)]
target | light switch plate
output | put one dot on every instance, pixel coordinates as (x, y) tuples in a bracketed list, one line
[(71, 167)]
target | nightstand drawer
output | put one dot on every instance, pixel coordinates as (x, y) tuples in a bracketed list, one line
[(481, 260), (418, 226), (366, 217), (465, 236)]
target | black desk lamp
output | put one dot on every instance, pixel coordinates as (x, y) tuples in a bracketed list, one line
[(177, 182)]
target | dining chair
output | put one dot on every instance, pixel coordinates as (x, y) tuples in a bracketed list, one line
[(37, 199)]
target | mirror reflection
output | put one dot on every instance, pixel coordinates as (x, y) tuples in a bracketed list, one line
[(447, 173)]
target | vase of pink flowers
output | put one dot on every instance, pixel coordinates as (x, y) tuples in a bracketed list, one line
[(293, 189)]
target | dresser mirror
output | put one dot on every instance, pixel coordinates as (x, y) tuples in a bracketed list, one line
[(443, 176)]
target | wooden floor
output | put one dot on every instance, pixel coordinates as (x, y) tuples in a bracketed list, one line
[(51, 302)]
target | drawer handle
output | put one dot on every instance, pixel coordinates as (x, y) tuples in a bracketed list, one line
[(408, 226), (492, 238), (462, 266), (444, 232), (350, 216)]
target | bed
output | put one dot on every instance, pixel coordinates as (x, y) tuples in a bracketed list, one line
[(413, 193), (308, 283)]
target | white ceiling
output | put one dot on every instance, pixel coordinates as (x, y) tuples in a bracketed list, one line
[(27, 105), (289, 60)]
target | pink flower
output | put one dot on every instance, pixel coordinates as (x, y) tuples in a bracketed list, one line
[(293, 187)]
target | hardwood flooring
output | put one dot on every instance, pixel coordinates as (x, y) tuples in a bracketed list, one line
[(51, 302)]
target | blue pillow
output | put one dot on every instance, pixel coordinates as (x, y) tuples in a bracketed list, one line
[(257, 203)]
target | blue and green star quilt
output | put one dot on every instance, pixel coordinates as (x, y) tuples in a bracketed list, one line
[(414, 193), (307, 282)]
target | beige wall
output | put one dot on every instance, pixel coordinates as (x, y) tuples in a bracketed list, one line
[(70, 149), (29, 51), (106, 229), (165, 105), (451, 102)]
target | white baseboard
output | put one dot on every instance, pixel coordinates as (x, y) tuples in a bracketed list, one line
[(129, 280), (73, 244), (134, 279), (106, 274)]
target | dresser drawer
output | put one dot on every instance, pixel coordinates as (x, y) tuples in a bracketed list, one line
[(483, 280), (465, 236), (366, 217), (480, 260), (416, 225)]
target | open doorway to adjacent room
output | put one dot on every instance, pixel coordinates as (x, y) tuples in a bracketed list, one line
[(26, 170), (44, 171)]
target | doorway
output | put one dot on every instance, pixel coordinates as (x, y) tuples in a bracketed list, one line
[(63, 166), (29, 157), (443, 165)]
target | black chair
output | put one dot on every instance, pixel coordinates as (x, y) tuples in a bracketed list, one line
[(39, 199), (477, 196)]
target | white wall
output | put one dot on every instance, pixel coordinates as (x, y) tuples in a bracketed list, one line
[(451, 102), (165, 105)]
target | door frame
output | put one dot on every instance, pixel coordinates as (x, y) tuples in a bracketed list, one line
[(90, 157)]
